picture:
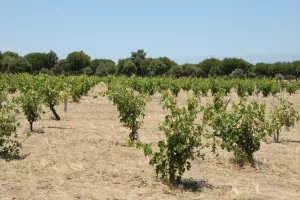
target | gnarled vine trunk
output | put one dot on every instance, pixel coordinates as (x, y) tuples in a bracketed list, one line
[(57, 117)]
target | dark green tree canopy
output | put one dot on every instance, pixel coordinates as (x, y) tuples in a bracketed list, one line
[(167, 61), (15, 65), (10, 53), (189, 69), (87, 71), (105, 69), (231, 64), (77, 61), (126, 67), (238, 73), (175, 72), (137, 58), (207, 64), (106, 63), (37, 60), (52, 59)]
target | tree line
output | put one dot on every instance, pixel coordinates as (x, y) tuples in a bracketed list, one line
[(138, 64)]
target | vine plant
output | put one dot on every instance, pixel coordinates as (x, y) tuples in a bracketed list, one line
[(182, 142), (283, 115), (131, 107), (240, 129)]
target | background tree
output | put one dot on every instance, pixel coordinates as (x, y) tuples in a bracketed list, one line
[(46, 71), (207, 64), (61, 67), (231, 64), (237, 73), (87, 71), (37, 60), (146, 67), (78, 60), (103, 67), (15, 65), (11, 54), (101, 70), (137, 58), (175, 72), (167, 61), (129, 68), (189, 70), (94, 64), (159, 67), (126, 67), (52, 59)]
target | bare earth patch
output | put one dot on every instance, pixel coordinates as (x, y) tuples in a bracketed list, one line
[(85, 156)]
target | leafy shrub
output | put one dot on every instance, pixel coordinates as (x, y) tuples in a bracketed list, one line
[(265, 86), (9, 145), (284, 115), (240, 129), (31, 105), (292, 88), (238, 73), (175, 88), (130, 106), (279, 77), (241, 89), (182, 141)]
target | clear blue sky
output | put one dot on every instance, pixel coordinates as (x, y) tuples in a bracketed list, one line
[(185, 31)]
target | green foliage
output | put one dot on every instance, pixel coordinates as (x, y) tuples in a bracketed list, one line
[(87, 71), (241, 89), (250, 87), (149, 67), (208, 64), (265, 86), (279, 77), (275, 89), (190, 70), (52, 92), (104, 69), (215, 87), (78, 60), (3, 90), (9, 145), (46, 71), (237, 73), (284, 115), (186, 84), (37, 60), (61, 67), (240, 129), (52, 59), (175, 72), (136, 58), (292, 87), (236, 65), (10, 54), (79, 86), (131, 107), (182, 142), (31, 102), (126, 67), (15, 65), (174, 88)]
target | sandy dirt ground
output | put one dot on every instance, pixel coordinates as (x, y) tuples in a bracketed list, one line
[(86, 156)]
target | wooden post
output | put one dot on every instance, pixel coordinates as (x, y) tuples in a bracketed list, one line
[(159, 99), (65, 105)]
